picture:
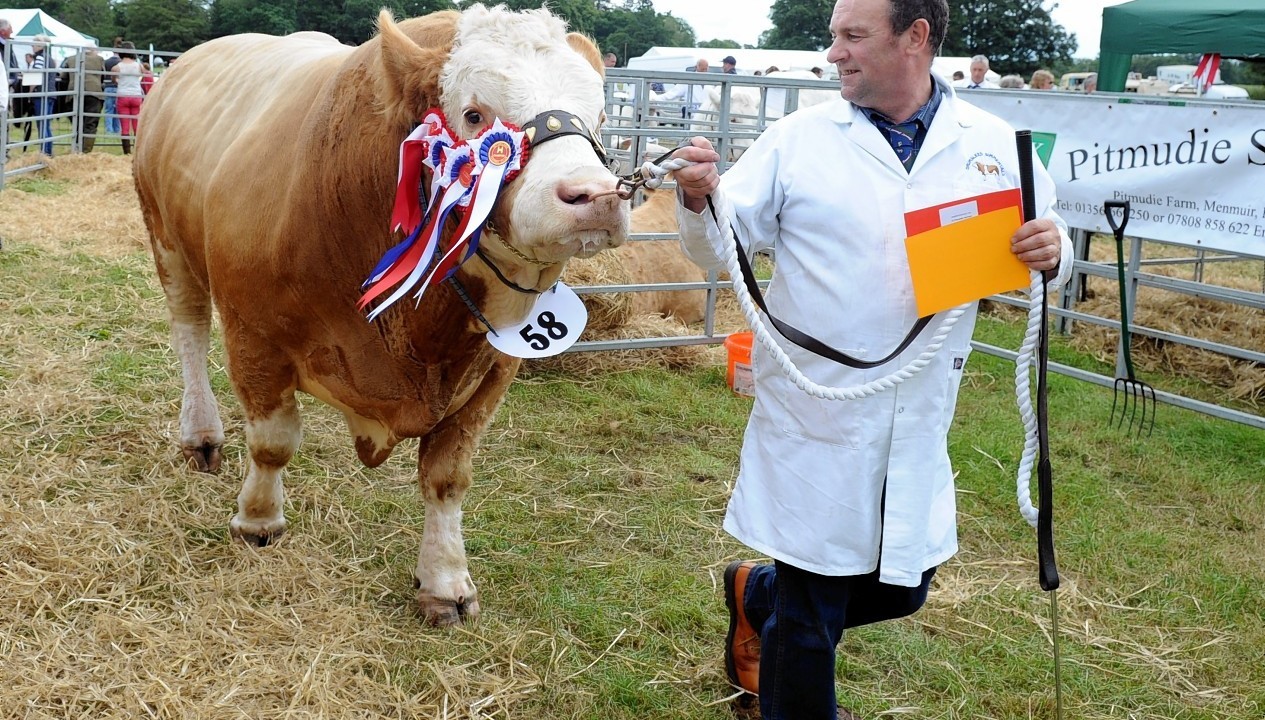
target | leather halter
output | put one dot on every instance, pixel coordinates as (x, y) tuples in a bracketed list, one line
[(553, 124)]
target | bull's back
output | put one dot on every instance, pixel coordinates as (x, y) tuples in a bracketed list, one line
[(209, 114)]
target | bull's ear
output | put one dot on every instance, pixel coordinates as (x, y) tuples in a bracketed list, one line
[(409, 82), (587, 50)]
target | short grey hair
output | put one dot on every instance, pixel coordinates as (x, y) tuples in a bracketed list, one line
[(4, 24), (979, 58)]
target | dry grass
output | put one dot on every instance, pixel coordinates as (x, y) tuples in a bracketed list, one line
[(593, 531)]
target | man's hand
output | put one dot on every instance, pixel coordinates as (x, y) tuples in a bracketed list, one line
[(701, 179), (1037, 244)]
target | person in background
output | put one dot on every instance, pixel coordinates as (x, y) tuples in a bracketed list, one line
[(958, 78), (818, 71), (609, 59), (1041, 80), (1091, 83), (1011, 82), (979, 74), (111, 87), (689, 94), (91, 78), (7, 58), (47, 84), (729, 65), (147, 78), (127, 73), (855, 500)]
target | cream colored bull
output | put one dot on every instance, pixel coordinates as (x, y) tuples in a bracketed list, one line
[(266, 169)]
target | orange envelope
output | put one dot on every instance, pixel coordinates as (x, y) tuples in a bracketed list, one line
[(965, 259)]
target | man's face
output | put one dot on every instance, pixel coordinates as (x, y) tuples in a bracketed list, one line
[(6, 33), (872, 66), (978, 70), (701, 66)]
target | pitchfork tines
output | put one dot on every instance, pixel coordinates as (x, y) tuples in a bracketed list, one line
[(1137, 395)]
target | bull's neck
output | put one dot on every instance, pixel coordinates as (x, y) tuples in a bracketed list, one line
[(511, 283)]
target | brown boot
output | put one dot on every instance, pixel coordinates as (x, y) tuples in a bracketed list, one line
[(127, 146), (742, 646)]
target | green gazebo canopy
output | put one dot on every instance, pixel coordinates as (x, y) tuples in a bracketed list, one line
[(1228, 27)]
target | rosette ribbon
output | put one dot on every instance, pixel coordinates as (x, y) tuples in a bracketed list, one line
[(463, 176)]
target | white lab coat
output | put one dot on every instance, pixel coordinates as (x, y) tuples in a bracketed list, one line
[(824, 189), (692, 96)]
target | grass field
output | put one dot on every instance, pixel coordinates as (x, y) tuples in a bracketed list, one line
[(593, 531)]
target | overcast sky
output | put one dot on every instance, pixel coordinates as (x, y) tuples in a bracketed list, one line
[(744, 20)]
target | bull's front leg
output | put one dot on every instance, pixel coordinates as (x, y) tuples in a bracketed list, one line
[(446, 594)]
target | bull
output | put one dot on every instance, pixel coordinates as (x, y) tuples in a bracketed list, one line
[(266, 169)]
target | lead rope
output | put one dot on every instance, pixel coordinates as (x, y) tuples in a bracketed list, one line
[(1025, 363), (728, 254)]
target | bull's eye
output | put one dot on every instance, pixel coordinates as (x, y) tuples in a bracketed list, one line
[(473, 118)]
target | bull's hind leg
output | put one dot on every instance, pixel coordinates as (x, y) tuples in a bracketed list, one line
[(445, 593), (265, 384), (189, 302)]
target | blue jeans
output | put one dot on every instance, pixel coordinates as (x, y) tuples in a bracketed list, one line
[(801, 617), (112, 124), (44, 106)]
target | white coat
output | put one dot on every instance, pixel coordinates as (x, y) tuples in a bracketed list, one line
[(831, 486)]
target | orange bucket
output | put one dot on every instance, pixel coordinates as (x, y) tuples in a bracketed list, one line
[(738, 374)]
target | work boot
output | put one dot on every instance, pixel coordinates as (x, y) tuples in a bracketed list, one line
[(742, 646), (127, 147)]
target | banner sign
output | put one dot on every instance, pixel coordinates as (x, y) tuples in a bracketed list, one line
[(1194, 172)]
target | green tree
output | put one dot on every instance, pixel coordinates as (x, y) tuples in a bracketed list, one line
[(1017, 36), (720, 44), (174, 25), (799, 25), (91, 17), (272, 17), (631, 28)]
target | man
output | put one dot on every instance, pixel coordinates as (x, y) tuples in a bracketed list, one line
[(979, 74), (91, 76), (111, 87), (729, 65), (853, 500), (609, 59), (689, 94), (1091, 83), (9, 84), (7, 57)]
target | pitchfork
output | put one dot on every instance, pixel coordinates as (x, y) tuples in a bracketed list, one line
[(1136, 394)]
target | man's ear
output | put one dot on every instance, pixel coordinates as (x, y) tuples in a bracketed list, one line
[(919, 35)]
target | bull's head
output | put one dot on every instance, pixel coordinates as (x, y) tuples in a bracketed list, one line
[(525, 69)]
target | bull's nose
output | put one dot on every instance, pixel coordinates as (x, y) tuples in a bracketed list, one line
[(583, 191)]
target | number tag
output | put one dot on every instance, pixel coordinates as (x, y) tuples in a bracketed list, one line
[(552, 326)]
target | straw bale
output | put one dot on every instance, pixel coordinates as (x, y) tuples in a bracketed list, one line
[(588, 363), (92, 207), (607, 311)]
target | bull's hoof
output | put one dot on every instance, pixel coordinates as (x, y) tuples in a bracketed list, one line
[(446, 612), (203, 458), (258, 534)]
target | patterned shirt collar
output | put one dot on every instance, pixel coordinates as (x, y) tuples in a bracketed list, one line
[(923, 116)]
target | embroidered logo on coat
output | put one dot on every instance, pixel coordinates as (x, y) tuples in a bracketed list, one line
[(986, 165)]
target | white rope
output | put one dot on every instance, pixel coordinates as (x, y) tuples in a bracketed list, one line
[(728, 253), (1024, 362)]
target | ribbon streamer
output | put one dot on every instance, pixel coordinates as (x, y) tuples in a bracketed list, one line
[(470, 180)]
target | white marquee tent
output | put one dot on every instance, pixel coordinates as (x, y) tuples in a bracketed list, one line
[(29, 22)]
